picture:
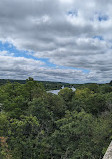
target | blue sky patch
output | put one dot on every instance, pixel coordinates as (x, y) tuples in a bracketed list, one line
[(103, 18), (99, 37), (73, 13), (74, 68), (26, 54)]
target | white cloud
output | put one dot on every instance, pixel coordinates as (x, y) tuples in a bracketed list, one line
[(47, 28)]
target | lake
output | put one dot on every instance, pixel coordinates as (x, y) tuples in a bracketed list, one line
[(57, 91)]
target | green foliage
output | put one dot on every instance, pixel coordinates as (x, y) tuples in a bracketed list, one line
[(24, 137), (80, 135), (94, 103), (105, 89), (15, 97), (72, 125), (69, 139), (38, 108), (93, 87), (79, 99), (66, 94), (4, 124), (83, 93), (56, 105), (32, 89)]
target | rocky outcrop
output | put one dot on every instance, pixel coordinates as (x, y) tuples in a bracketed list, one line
[(108, 154)]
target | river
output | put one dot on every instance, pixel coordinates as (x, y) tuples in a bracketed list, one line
[(57, 91)]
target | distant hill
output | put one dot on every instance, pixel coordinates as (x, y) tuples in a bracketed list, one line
[(50, 85), (47, 84)]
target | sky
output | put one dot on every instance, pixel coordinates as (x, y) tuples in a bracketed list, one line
[(56, 40)]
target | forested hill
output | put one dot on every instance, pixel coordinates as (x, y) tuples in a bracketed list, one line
[(48, 85), (35, 124)]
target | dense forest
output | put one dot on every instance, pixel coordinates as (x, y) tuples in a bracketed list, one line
[(35, 124), (48, 85)]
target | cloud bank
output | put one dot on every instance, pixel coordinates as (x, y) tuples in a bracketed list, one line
[(73, 35)]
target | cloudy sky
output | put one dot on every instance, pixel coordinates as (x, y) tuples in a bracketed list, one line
[(56, 40)]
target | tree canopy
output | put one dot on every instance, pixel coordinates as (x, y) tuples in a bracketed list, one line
[(71, 125)]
